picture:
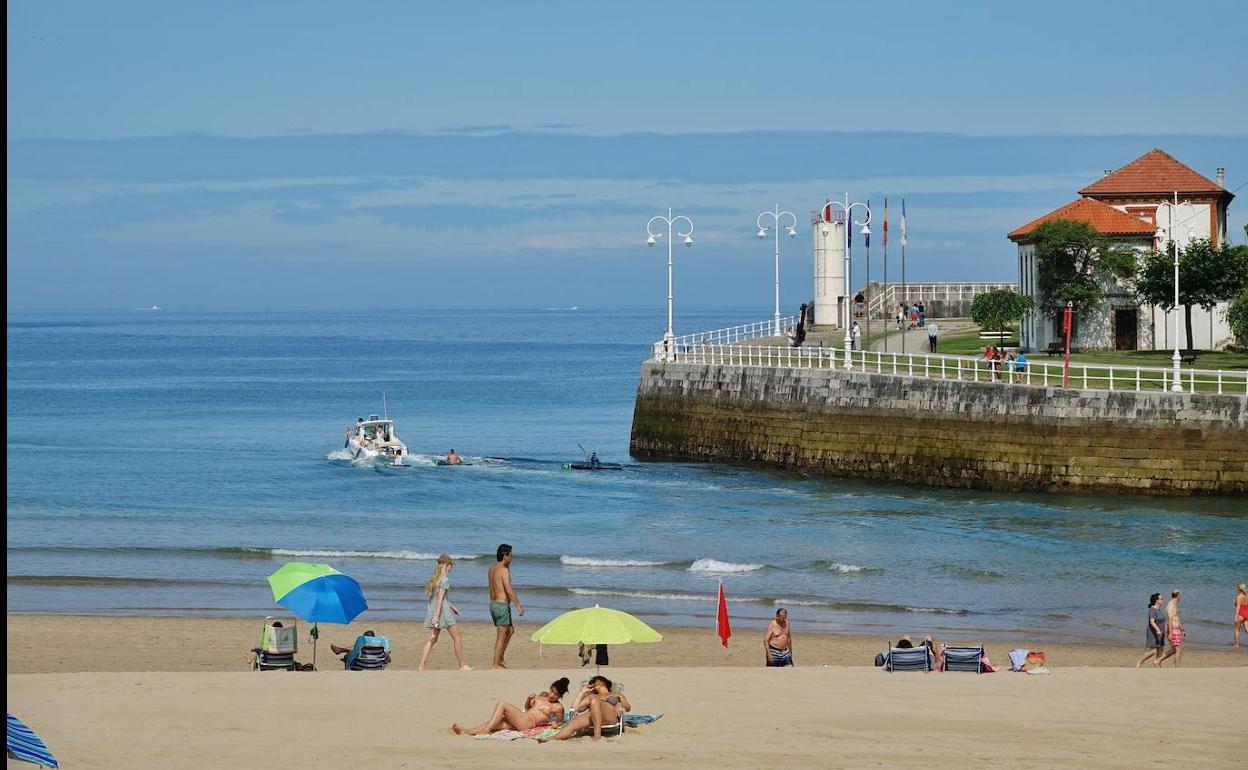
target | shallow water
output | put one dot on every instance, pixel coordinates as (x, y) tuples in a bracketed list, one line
[(166, 462)]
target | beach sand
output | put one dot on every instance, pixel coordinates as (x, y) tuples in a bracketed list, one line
[(171, 693), (217, 644)]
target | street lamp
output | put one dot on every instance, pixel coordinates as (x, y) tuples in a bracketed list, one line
[(762, 233), (848, 208), (652, 237), (1168, 234)]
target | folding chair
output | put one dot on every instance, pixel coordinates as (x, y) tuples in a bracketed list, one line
[(963, 658), (908, 659), (279, 641)]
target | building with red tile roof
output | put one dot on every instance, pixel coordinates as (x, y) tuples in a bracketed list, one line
[(1125, 205)]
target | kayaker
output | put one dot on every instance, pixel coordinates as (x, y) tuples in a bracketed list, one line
[(594, 461), (453, 459)]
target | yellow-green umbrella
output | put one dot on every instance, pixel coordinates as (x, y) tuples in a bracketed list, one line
[(595, 625)]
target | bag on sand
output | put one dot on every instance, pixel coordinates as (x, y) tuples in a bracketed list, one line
[(1035, 660), (879, 659)]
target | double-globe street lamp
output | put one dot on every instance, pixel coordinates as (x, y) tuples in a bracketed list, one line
[(848, 208), (776, 216), (650, 240)]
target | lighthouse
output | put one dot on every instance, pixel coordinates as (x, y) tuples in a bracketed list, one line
[(829, 229)]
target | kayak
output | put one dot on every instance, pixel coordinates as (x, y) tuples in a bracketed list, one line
[(588, 467), (444, 462)]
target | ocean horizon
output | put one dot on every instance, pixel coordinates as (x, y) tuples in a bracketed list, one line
[(163, 463)]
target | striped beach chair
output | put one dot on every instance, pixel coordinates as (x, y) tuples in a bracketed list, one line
[(908, 659), (25, 745), (370, 653), (963, 658)]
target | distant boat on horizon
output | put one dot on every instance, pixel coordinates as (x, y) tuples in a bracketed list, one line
[(153, 307)]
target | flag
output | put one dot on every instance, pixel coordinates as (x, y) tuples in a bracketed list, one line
[(721, 619), (827, 210), (867, 236), (884, 242), (903, 221)]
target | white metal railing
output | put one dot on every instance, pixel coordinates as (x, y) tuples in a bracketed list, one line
[(884, 302), (1082, 376), (731, 334)]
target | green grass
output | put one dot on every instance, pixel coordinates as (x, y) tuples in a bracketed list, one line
[(969, 343)]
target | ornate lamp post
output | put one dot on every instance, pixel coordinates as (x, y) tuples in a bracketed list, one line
[(776, 216), (652, 237), (848, 208)]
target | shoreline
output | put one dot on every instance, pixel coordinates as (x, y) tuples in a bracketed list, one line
[(188, 644)]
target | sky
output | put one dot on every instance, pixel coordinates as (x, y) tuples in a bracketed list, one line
[(224, 155)]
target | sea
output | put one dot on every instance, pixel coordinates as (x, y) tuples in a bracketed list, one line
[(164, 462)]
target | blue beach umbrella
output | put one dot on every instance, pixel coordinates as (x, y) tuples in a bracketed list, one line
[(318, 593)]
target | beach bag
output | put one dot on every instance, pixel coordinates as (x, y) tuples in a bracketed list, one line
[(1035, 660), (879, 659)]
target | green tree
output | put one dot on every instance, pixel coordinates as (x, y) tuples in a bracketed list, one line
[(999, 308), (1237, 318), (1206, 276), (1073, 262)]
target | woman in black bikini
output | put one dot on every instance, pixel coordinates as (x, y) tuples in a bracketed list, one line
[(595, 706)]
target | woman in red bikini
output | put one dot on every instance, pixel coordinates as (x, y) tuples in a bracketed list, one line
[(1241, 612)]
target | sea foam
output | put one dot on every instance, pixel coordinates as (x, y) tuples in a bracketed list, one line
[(590, 561), (714, 565), (330, 554)]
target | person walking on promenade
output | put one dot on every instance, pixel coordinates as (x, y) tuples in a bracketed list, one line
[(1154, 632), (901, 318), (441, 613), (855, 333), (778, 641), (1241, 612), (914, 316), (922, 314), (502, 596), (932, 331), (1174, 630), (990, 355), (1020, 367)]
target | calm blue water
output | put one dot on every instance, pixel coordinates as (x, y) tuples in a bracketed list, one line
[(166, 462)]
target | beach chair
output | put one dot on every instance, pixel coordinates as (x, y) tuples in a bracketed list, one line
[(370, 653), (908, 659), (962, 658), (23, 744), (613, 729), (278, 645)]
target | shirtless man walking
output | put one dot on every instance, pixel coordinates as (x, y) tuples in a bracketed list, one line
[(1174, 630), (502, 596), (778, 641)]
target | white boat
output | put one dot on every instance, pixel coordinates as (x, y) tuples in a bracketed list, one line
[(373, 438)]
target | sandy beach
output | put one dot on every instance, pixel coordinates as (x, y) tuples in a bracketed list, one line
[(174, 693)]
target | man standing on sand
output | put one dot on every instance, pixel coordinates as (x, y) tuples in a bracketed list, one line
[(502, 596), (1174, 630), (778, 641)]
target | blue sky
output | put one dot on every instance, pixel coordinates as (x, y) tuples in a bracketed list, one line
[(230, 154)]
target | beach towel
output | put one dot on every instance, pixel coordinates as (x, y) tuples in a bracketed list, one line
[(1018, 658), (24, 744), (513, 735), (633, 720)]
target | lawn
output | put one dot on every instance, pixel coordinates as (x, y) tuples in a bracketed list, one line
[(969, 343)]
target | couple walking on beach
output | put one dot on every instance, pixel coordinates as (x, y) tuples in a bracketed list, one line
[(1163, 625), (441, 613)]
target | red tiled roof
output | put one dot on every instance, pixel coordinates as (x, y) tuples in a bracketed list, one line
[(1154, 172), (1103, 217)]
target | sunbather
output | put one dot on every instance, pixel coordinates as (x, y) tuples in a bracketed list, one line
[(595, 706), (373, 642), (906, 643), (540, 709)]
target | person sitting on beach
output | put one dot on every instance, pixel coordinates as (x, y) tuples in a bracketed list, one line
[(596, 706), (541, 709), (778, 641), (378, 655), (453, 459), (906, 643)]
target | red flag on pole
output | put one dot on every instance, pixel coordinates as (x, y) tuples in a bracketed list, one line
[(721, 619)]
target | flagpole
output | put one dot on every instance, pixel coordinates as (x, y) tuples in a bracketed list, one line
[(885, 284), (904, 293)]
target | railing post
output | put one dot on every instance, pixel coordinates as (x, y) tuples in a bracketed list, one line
[(1085, 376), (1137, 379), (1192, 381), (959, 370), (1111, 377)]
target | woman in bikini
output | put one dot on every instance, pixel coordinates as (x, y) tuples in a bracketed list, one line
[(595, 706), (540, 709), (1241, 612)]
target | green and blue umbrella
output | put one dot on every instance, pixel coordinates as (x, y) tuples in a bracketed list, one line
[(318, 593)]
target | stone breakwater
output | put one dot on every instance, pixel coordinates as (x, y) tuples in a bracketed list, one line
[(943, 433)]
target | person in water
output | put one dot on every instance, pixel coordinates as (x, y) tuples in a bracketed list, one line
[(1241, 611), (594, 462), (453, 459), (540, 709), (596, 706)]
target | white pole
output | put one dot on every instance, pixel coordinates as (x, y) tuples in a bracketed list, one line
[(1177, 387), (849, 313), (779, 331), (670, 331)]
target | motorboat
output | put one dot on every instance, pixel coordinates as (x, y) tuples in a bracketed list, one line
[(373, 438)]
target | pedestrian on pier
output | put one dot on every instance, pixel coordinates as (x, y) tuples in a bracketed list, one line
[(855, 335), (932, 331)]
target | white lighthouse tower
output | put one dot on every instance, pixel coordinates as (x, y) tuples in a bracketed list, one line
[(829, 228)]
